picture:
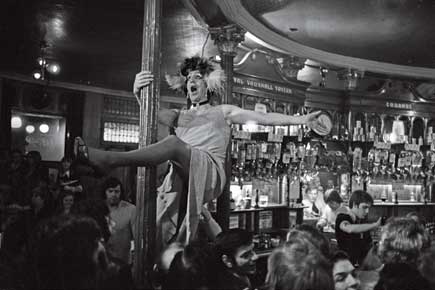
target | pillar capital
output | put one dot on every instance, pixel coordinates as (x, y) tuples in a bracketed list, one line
[(227, 38)]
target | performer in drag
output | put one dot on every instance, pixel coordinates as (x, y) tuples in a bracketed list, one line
[(197, 151)]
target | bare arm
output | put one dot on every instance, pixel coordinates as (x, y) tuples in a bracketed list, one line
[(212, 228), (166, 117), (349, 228), (323, 220), (236, 115)]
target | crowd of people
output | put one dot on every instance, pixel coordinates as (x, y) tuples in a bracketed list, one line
[(51, 225), (54, 236), (85, 243)]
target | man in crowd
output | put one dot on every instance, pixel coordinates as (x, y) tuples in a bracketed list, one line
[(122, 215), (237, 259), (329, 215), (351, 229)]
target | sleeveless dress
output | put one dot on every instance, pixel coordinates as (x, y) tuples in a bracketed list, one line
[(208, 134)]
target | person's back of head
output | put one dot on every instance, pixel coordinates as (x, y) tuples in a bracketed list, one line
[(313, 235), (164, 261), (298, 266), (96, 209), (191, 268), (66, 253), (402, 240), (401, 276)]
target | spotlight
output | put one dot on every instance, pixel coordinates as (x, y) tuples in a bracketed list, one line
[(16, 122), (53, 68), (43, 128), (41, 61), (30, 129), (37, 75), (45, 65)]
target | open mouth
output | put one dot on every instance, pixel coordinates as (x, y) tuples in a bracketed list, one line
[(193, 89)]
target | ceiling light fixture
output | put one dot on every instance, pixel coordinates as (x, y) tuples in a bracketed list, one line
[(350, 78), (45, 65)]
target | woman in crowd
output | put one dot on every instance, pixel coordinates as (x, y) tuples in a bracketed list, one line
[(65, 202)]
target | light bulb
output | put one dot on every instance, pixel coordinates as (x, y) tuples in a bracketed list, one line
[(16, 122), (53, 68), (37, 75), (30, 129), (43, 128)]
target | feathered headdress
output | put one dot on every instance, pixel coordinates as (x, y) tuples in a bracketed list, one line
[(212, 72)]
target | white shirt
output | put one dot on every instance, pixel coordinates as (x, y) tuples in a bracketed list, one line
[(329, 216)]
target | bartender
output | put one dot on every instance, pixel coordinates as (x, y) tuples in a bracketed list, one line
[(333, 206)]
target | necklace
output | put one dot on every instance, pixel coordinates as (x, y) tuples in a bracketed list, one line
[(197, 105)]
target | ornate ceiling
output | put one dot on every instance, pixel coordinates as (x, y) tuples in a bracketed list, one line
[(99, 42)]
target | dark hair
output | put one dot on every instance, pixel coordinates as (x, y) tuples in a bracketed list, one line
[(358, 197), (96, 209), (35, 155), (202, 64), (111, 182), (228, 242), (401, 276), (334, 196), (67, 158), (191, 268), (63, 253), (313, 235), (339, 255)]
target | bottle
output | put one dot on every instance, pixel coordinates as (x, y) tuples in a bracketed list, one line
[(384, 195), (283, 189), (248, 200), (257, 199)]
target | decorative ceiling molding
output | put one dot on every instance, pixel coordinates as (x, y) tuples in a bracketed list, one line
[(234, 10)]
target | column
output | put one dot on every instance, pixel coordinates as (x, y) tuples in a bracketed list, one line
[(227, 38), (145, 232)]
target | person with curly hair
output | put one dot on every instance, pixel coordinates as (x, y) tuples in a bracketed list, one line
[(403, 240)]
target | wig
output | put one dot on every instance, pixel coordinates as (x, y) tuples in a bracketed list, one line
[(212, 72)]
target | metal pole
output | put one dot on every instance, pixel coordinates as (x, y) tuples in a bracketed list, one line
[(145, 229)]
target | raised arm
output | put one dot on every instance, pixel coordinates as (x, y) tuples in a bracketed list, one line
[(166, 117), (236, 115), (349, 228)]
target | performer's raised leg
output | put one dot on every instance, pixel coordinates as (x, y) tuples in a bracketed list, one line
[(170, 148)]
